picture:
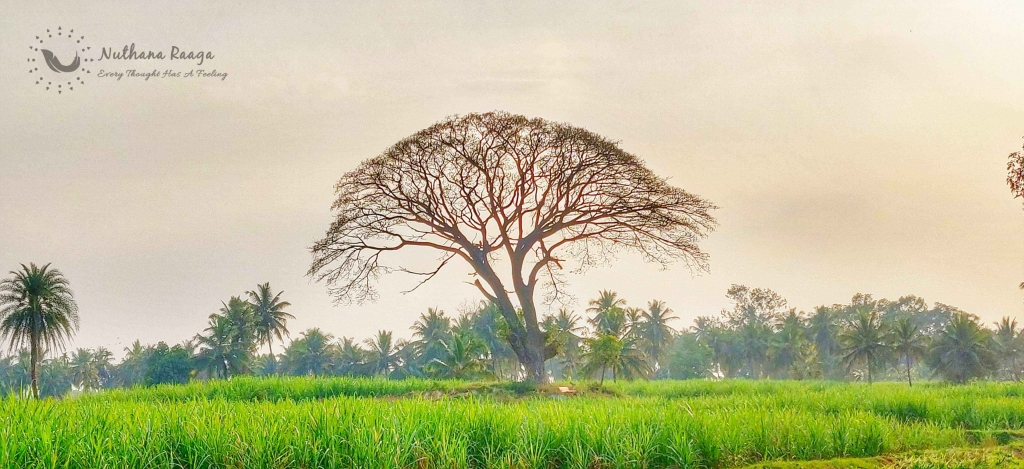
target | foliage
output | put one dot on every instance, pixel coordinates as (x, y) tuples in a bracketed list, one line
[(865, 343), (961, 352), (312, 354), (345, 422), (688, 358), (271, 319), (37, 310), (873, 338), (167, 365)]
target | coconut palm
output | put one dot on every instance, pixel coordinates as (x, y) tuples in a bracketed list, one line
[(865, 342), (430, 331), (753, 339), (215, 349), (84, 372), (621, 355), (572, 362), (790, 348), (311, 354), (824, 331), (135, 351), (243, 334), (490, 327), (102, 361), (37, 309), (567, 324), (655, 331), (351, 357), (271, 317), (383, 353), (565, 332), (226, 348), (633, 319), (131, 371), (407, 361), (908, 343), (609, 317), (1008, 344), (711, 333), (463, 358), (961, 350)]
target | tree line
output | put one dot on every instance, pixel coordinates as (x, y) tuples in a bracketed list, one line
[(759, 337), (865, 339)]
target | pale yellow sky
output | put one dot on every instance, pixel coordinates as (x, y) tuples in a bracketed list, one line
[(852, 148)]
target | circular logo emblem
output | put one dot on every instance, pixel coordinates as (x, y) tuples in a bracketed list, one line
[(55, 61)]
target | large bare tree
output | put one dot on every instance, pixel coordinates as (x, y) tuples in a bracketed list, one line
[(1015, 173), (1015, 178), (519, 201)]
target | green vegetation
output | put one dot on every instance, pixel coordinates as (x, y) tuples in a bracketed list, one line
[(758, 338), (374, 422), (1004, 457), (37, 310)]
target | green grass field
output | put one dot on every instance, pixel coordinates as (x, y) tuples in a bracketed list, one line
[(368, 423)]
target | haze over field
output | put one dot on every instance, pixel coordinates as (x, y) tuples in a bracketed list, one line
[(850, 148)]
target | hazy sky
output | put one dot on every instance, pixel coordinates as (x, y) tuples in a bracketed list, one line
[(850, 148)]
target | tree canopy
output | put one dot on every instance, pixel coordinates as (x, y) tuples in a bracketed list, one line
[(513, 198)]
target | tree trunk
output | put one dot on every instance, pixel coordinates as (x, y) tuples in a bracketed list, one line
[(527, 343), (910, 382), (534, 338), (602, 375), (34, 358), (273, 361), (524, 336)]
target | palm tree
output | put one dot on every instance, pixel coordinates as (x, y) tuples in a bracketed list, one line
[(790, 348), (430, 332), (104, 368), (754, 338), (961, 351), (84, 372), (351, 357), (407, 361), (564, 329), (38, 309), (132, 368), (908, 342), (621, 355), (383, 353), (864, 342), (230, 339), (490, 327), (633, 319), (215, 347), (463, 358), (135, 352), (710, 332), (609, 317), (271, 318), (824, 332), (241, 317), (1008, 344), (655, 331), (243, 334), (567, 324), (312, 354)]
